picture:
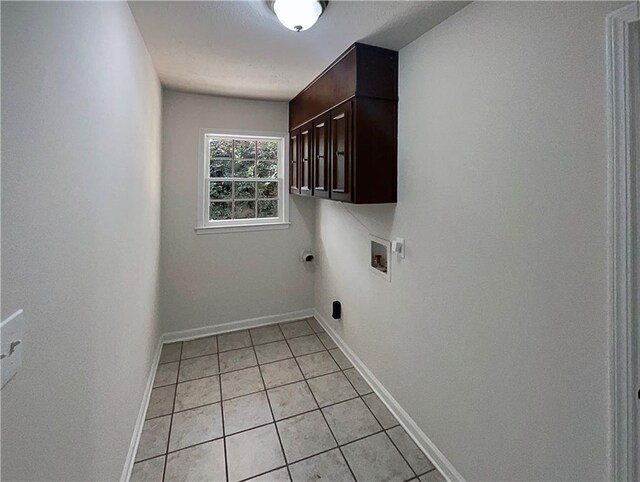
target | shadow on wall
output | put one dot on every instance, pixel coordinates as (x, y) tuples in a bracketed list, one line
[(350, 226), (305, 206)]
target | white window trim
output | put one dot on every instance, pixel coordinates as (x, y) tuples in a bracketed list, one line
[(203, 225)]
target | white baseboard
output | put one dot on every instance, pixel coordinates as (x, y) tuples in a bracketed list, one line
[(416, 433), (418, 436), (137, 431), (193, 333)]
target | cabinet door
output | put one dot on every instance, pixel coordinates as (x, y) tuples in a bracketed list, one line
[(306, 148), (321, 156), (294, 168), (341, 152)]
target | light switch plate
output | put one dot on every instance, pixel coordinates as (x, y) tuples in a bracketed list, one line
[(11, 345), (397, 246)]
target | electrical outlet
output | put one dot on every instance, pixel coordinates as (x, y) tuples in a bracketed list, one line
[(11, 345)]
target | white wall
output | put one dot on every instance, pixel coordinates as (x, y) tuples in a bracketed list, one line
[(209, 279), (493, 333), (81, 114)]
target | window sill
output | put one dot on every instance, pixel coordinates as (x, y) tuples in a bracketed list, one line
[(241, 228)]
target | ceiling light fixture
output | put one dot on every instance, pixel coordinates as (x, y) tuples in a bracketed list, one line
[(298, 15)]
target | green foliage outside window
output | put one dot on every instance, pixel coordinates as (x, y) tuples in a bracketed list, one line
[(268, 209), (247, 197), (267, 150), (220, 210)]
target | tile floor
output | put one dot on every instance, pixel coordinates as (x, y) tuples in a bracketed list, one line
[(276, 403)]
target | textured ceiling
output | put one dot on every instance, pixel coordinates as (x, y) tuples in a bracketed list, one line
[(239, 49)]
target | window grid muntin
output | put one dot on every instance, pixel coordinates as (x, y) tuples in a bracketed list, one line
[(280, 168)]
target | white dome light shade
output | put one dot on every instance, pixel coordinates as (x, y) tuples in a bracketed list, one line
[(297, 15)]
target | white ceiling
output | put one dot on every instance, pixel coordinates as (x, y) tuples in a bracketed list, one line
[(239, 49)]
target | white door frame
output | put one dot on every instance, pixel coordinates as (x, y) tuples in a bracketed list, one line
[(623, 55)]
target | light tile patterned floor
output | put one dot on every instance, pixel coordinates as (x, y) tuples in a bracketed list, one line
[(277, 403)]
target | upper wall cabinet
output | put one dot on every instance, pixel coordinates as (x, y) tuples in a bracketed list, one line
[(344, 129), (306, 187), (294, 171)]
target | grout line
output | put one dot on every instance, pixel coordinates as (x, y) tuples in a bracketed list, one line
[(275, 423), (152, 458), (266, 390), (258, 365), (175, 394), (243, 395), (427, 472), (314, 455), (323, 415), (249, 429), (224, 434), (167, 362), (309, 353), (346, 461), (400, 451), (238, 369), (166, 454), (274, 419), (239, 348), (304, 378), (267, 472), (376, 419), (293, 463), (253, 344), (276, 361), (264, 425), (195, 445), (284, 455), (363, 437), (262, 390), (198, 356)]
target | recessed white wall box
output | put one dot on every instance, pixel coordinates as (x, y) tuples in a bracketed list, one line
[(380, 257), (11, 346)]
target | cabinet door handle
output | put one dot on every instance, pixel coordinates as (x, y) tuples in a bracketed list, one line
[(319, 157), (339, 153)]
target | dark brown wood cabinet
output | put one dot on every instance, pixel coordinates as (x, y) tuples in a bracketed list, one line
[(344, 130), (341, 152), (375, 150), (321, 158), (294, 175), (306, 150)]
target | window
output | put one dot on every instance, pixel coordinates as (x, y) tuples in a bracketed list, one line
[(242, 182)]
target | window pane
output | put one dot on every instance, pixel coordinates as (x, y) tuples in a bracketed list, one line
[(245, 168), (219, 210), (245, 209), (267, 150), (243, 179), (244, 149), (268, 209), (220, 190), (267, 169), (268, 189), (245, 190), (220, 168), (220, 148)]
